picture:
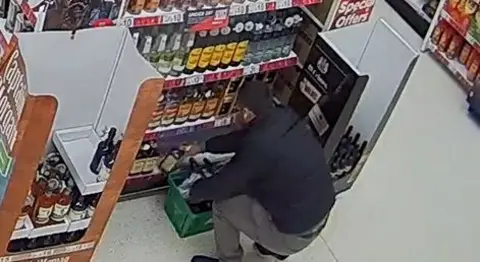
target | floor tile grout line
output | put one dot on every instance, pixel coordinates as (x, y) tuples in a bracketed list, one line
[(329, 249)]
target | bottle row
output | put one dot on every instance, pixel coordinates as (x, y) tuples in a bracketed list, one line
[(347, 154), (191, 103), (53, 199), (455, 47), (26, 244), (246, 40), (136, 6)]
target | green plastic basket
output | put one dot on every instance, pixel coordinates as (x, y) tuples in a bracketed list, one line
[(185, 222)]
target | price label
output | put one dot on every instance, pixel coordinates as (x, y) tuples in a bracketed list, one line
[(221, 14), (146, 21), (251, 69), (172, 18), (284, 4), (128, 22), (257, 7), (193, 80), (237, 9), (222, 122)]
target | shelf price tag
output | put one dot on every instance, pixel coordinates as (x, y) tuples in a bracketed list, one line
[(237, 9), (172, 18), (223, 121), (283, 4), (257, 7), (128, 22), (251, 69), (146, 21), (193, 80)]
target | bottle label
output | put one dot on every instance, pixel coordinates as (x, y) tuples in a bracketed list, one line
[(240, 51), (169, 163), (177, 64), (169, 115), (193, 58), (149, 165), (90, 211), (210, 107), (76, 215), (164, 66), (137, 166), (104, 174), (162, 42), (197, 110), (59, 212), (217, 55), (228, 53), (183, 112), (151, 5), (206, 57), (177, 41), (44, 214)]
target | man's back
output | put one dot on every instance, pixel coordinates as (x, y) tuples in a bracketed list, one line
[(294, 185)]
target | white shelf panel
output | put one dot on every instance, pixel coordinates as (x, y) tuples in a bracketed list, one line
[(23, 232), (49, 229), (78, 225), (77, 146)]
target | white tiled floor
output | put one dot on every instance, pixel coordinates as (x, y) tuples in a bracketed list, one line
[(415, 201)]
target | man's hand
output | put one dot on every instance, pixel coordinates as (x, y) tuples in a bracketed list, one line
[(192, 149)]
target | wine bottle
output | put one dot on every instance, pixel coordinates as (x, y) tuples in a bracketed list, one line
[(78, 210), (195, 52), (103, 147)]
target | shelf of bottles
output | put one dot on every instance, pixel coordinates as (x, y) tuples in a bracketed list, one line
[(182, 112), (247, 44), (346, 157), (455, 40), (54, 212)]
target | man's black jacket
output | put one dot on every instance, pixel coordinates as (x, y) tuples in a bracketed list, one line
[(279, 163)]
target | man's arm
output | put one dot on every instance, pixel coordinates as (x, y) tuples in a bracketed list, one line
[(225, 143), (230, 181)]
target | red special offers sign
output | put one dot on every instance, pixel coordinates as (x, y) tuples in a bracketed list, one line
[(352, 12)]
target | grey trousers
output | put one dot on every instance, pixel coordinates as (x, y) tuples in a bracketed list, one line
[(243, 214)]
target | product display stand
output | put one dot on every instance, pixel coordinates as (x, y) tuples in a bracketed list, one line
[(387, 78), (417, 13), (114, 97), (453, 39)]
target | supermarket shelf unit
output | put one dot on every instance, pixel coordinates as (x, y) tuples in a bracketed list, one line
[(412, 12), (459, 25)]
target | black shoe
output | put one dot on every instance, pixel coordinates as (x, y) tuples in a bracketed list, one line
[(265, 252), (204, 259)]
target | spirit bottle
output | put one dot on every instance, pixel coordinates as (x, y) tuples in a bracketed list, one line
[(171, 160), (103, 147), (62, 205), (207, 51), (231, 39), (212, 96), (185, 106), (198, 104), (171, 109), (166, 56), (93, 206), (151, 5), (45, 203), (195, 53), (26, 211), (139, 162), (244, 37), (150, 159), (78, 210), (158, 113), (220, 46), (135, 6), (180, 58)]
